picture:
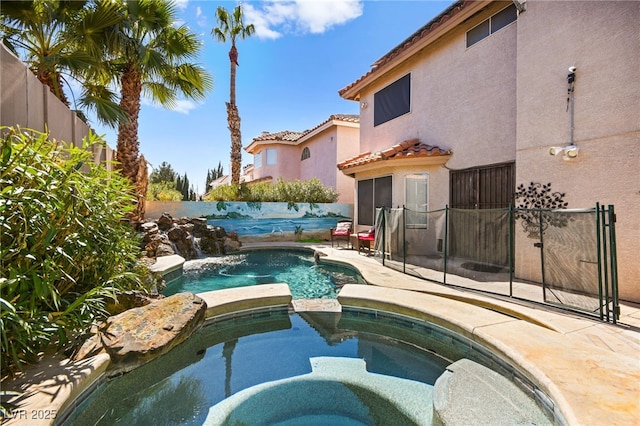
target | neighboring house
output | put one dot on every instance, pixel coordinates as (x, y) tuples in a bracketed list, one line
[(221, 181), (310, 154), (469, 106)]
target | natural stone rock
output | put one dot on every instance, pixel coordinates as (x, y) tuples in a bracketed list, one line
[(130, 300), (139, 335), (165, 250), (149, 228), (187, 237), (231, 245), (165, 222)]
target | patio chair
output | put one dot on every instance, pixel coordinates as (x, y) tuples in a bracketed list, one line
[(342, 231), (365, 239)]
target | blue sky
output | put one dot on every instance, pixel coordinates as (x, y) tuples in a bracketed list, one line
[(290, 72)]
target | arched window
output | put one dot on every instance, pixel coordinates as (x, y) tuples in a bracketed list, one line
[(305, 154)]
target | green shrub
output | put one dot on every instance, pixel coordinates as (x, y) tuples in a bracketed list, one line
[(163, 191), (63, 248), (310, 191)]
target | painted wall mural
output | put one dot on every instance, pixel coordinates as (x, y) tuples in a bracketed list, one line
[(256, 218)]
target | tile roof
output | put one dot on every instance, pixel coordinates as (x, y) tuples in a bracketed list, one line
[(285, 135), (411, 40), (411, 148), (291, 136)]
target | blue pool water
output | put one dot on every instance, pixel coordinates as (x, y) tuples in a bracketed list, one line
[(225, 358), (306, 277)]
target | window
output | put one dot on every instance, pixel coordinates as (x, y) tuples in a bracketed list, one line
[(416, 200), (492, 25), (392, 101), (373, 193), (305, 154), (257, 160), (272, 156)]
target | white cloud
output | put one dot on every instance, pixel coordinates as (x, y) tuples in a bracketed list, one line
[(184, 106), (181, 4), (201, 18), (275, 18)]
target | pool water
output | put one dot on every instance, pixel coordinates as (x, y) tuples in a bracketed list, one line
[(307, 279), (225, 358)]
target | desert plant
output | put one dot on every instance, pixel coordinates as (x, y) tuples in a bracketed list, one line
[(64, 249)]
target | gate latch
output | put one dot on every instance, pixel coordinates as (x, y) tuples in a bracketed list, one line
[(539, 245)]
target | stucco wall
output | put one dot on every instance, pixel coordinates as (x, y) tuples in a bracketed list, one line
[(327, 148), (321, 164), (602, 40), (287, 163), (27, 103), (461, 98)]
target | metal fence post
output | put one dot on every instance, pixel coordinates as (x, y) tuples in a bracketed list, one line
[(605, 264), (511, 249), (446, 241), (544, 285), (614, 263), (404, 239), (599, 255)]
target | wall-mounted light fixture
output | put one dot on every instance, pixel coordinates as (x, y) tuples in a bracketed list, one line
[(364, 105), (570, 151), (555, 150)]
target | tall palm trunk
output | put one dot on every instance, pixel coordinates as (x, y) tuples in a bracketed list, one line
[(127, 151), (54, 82), (233, 118)]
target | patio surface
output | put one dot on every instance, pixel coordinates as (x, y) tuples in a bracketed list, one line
[(590, 369)]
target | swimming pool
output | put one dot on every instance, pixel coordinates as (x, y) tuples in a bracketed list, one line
[(306, 278), (191, 384)]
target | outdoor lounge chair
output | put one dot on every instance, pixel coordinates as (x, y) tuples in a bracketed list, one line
[(365, 239), (342, 231)]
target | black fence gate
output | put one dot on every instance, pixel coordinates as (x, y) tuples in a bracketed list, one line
[(565, 258)]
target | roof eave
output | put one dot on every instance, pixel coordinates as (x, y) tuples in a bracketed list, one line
[(432, 160), (326, 126), (442, 26)]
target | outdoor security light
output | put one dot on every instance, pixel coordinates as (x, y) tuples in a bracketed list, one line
[(555, 150), (571, 151)]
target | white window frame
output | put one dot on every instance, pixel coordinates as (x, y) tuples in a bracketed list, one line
[(413, 200), (271, 156)]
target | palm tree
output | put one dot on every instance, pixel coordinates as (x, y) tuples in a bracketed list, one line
[(149, 54), (52, 37), (232, 26)]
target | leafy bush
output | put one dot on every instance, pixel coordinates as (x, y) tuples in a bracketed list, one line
[(63, 248), (163, 191), (310, 191)]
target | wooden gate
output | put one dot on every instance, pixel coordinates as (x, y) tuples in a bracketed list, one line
[(475, 233)]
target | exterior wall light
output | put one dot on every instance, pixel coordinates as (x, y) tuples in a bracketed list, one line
[(555, 150), (570, 152)]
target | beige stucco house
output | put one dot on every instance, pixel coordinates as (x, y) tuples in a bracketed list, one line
[(310, 154), (470, 105)]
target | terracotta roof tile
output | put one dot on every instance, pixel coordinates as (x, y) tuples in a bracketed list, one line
[(290, 136), (285, 135), (411, 40), (411, 148)]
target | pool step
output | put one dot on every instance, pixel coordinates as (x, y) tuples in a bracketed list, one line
[(323, 305)]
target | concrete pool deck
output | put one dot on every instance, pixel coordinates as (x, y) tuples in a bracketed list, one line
[(589, 369)]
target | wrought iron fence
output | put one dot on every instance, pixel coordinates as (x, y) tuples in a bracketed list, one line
[(565, 258)]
